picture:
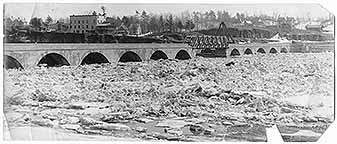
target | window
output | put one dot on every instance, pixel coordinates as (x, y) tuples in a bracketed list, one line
[(94, 21), (92, 27), (87, 21), (70, 26), (82, 26), (79, 22), (87, 26), (83, 21), (74, 31), (82, 31)]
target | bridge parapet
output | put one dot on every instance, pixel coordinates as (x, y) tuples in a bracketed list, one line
[(85, 46)]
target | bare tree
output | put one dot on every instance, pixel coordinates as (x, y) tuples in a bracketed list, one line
[(48, 21), (36, 23)]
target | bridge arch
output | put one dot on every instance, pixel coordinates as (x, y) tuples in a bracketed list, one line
[(248, 51), (53, 60), (182, 55), (11, 63), (284, 50), (273, 50), (94, 58), (235, 52), (158, 55), (130, 56), (261, 50)]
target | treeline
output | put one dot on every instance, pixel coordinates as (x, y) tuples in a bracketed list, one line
[(148, 22), (187, 21), (210, 19), (152, 23), (243, 25)]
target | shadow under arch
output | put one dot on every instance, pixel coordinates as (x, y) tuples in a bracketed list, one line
[(248, 51), (130, 56), (284, 50), (182, 55), (261, 50), (273, 50), (158, 55), (53, 60), (11, 63), (235, 52), (94, 58)]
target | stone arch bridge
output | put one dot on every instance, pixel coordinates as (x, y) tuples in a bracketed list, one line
[(20, 55), (255, 48), (30, 55)]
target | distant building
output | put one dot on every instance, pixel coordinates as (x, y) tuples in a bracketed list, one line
[(135, 29), (105, 28), (309, 36), (58, 27), (85, 23), (247, 22), (269, 22), (329, 29), (122, 29), (318, 28)]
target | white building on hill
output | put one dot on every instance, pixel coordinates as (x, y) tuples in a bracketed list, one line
[(85, 23)]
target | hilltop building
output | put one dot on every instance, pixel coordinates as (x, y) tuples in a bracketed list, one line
[(317, 28), (85, 23)]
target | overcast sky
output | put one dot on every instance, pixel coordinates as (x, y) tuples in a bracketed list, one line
[(29, 10)]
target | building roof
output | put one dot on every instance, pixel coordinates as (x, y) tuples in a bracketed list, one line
[(103, 25), (122, 27), (314, 26), (305, 33), (82, 15)]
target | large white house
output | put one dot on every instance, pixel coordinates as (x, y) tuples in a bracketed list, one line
[(85, 23)]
